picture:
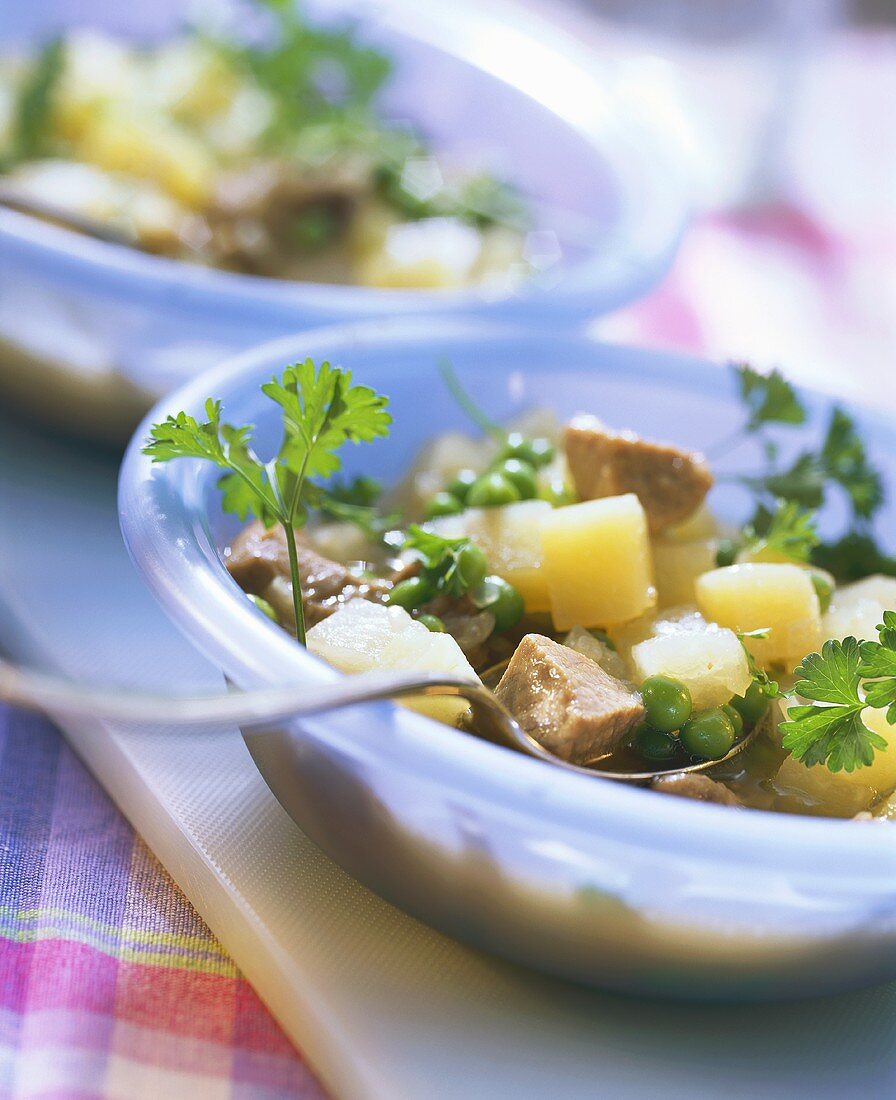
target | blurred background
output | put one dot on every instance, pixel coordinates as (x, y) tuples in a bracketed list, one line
[(782, 110)]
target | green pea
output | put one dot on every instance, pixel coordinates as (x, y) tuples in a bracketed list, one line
[(556, 493), (736, 720), (667, 702), (459, 486), (494, 594), (823, 589), (708, 735), (491, 490), (537, 452), (443, 504), (414, 592), (753, 704), (472, 565), (726, 552), (521, 474), (264, 607), (653, 744), (432, 622)]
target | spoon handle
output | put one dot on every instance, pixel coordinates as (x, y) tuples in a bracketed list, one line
[(53, 695)]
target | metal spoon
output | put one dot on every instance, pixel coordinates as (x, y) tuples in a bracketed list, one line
[(490, 719), (61, 215)]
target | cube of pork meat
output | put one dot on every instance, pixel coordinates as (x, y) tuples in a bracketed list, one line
[(669, 482), (695, 785), (259, 555), (566, 701)]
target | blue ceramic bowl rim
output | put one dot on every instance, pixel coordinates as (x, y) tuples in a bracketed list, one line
[(644, 161), (217, 614)]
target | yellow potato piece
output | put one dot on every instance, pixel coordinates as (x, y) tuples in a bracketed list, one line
[(765, 596), (843, 794), (597, 562), (711, 664), (149, 148), (364, 636), (857, 609), (677, 565), (510, 538), (699, 526)]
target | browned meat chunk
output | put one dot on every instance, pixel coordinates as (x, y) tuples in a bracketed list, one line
[(566, 701), (259, 556), (669, 482), (695, 785)]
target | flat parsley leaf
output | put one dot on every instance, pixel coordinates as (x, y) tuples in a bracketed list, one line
[(245, 488), (441, 560), (769, 398), (845, 461), (322, 410), (879, 667), (790, 530), (830, 729)]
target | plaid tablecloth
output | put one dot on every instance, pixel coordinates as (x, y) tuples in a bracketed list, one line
[(111, 985)]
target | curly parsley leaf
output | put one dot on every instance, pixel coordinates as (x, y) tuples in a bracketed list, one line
[(879, 667), (790, 530), (829, 730), (769, 398)]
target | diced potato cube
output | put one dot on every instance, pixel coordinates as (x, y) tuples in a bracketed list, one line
[(434, 252), (98, 71), (510, 538), (676, 567), (149, 148), (597, 561), (364, 636), (673, 620), (765, 596), (711, 664), (700, 525), (843, 794), (340, 541), (857, 609)]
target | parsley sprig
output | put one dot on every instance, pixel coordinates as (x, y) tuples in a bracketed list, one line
[(789, 530), (841, 681), (312, 74), (450, 567), (321, 410), (879, 667), (785, 492), (829, 730), (769, 398), (355, 502), (33, 111)]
